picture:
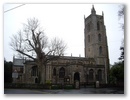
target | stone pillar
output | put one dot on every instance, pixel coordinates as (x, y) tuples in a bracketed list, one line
[(97, 84)]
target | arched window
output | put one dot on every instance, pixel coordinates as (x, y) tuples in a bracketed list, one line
[(99, 37), (62, 73), (88, 38), (99, 75), (100, 50), (34, 71), (98, 26), (54, 72), (88, 27), (91, 74)]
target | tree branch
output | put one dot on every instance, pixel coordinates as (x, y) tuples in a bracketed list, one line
[(30, 44), (26, 54)]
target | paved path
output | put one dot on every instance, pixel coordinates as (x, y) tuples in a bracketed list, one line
[(62, 91)]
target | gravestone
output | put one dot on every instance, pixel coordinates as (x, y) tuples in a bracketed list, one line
[(97, 84), (77, 86)]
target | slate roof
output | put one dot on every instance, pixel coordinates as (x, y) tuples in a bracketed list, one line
[(18, 62)]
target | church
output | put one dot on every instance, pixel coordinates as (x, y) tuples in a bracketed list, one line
[(67, 69)]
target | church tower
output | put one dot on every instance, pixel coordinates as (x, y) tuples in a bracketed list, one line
[(96, 40)]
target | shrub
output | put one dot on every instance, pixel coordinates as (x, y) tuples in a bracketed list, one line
[(55, 87), (69, 86)]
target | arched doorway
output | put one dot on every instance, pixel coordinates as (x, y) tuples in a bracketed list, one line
[(36, 80), (76, 76), (77, 80)]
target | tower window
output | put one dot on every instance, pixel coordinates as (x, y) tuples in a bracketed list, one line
[(88, 27), (98, 26), (100, 50), (88, 38), (89, 49), (99, 37), (62, 73)]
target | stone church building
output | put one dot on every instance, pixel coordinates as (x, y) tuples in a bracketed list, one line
[(67, 69)]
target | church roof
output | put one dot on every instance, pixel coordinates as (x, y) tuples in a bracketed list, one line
[(18, 62), (70, 58)]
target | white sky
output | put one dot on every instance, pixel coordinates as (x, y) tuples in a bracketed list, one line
[(65, 21)]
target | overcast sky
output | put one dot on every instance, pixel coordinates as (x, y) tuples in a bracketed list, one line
[(65, 21)]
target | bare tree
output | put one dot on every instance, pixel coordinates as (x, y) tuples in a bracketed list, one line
[(32, 40), (121, 14)]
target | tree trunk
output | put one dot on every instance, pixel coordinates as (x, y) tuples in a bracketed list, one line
[(42, 74)]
